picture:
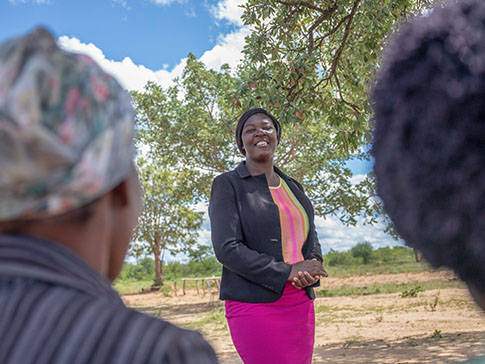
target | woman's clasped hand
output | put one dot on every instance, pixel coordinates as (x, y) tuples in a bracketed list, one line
[(306, 273)]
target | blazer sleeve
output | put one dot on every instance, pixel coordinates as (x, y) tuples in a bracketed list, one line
[(316, 252), (228, 241)]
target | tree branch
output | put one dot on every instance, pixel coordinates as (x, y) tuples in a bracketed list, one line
[(304, 4), (322, 212), (338, 54), (319, 21), (215, 157), (320, 39), (290, 155), (353, 106)]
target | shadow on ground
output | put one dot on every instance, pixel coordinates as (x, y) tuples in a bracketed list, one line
[(180, 309), (442, 349)]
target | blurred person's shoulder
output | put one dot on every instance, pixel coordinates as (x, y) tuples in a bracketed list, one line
[(76, 326), (57, 309), (142, 338)]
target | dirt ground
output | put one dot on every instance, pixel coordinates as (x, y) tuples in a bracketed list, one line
[(437, 326)]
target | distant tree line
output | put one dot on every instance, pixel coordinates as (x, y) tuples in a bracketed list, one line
[(202, 262), (363, 253)]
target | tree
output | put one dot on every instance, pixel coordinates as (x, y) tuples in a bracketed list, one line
[(200, 252), (144, 269), (312, 63), (309, 63), (169, 222), (190, 124), (362, 250)]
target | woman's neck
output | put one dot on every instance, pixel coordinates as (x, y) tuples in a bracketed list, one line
[(265, 168)]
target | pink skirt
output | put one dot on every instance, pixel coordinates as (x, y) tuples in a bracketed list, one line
[(281, 332)]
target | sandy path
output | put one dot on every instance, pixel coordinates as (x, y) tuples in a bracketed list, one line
[(382, 328), (369, 280)]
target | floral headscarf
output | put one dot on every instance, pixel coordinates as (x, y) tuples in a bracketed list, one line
[(66, 129)]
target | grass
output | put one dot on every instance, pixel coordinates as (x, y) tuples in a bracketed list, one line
[(388, 288), (215, 318), (409, 266), (403, 263), (130, 286)]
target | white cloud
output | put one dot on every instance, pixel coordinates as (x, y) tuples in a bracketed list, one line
[(134, 77), (332, 234), (335, 235), (190, 12), (123, 3), (229, 10), (357, 178), (204, 237), (227, 50), (130, 75), (167, 2)]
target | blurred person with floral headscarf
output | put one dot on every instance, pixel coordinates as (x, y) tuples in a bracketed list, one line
[(69, 201)]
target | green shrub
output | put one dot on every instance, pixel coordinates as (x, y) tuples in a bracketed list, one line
[(166, 290), (384, 255), (412, 292), (362, 250), (205, 267), (339, 258), (437, 335), (144, 270)]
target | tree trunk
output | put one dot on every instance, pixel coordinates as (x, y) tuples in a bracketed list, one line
[(158, 264), (417, 255)]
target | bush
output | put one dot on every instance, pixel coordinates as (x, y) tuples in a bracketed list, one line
[(385, 255), (144, 270), (362, 250), (339, 258), (205, 267), (166, 290), (412, 292)]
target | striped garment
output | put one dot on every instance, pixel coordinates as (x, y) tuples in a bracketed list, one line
[(293, 221), (54, 308)]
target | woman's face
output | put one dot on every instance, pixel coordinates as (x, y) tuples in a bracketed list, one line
[(259, 138)]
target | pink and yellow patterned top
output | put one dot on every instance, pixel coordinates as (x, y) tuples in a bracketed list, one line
[(293, 221)]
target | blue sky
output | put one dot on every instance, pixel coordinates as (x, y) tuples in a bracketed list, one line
[(155, 34), (136, 40), (142, 40)]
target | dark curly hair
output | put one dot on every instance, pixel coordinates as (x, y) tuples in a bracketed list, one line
[(429, 140), (245, 116)]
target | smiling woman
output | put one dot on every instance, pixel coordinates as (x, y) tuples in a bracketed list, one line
[(264, 235), (259, 139)]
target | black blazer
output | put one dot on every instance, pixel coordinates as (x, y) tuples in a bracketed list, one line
[(246, 235)]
